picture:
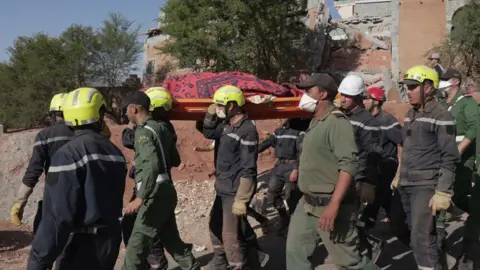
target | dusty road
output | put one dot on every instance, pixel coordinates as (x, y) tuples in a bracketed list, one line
[(394, 257)]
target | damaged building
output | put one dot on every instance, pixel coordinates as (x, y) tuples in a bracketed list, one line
[(378, 39)]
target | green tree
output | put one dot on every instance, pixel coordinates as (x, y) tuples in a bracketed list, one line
[(36, 71), (118, 49), (80, 44), (117, 54), (261, 37)]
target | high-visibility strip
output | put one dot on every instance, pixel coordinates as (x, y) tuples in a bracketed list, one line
[(50, 140), (458, 99), (160, 178), (285, 136), (432, 121), (459, 138), (84, 161), (363, 126), (160, 145), (390, 126), (242, 141)]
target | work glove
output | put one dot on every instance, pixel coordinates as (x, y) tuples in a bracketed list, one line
[(244, 193), (212, 109), (440, 201), (16, 214), (210, 119), (366, 192)]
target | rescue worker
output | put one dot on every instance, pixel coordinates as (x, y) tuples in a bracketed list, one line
[(235, 157), (435, 63), (392, 148), (368, 137), (465, 112), (428, 165), (47, 142), (287, 141), (156, 197), (471, 238), (160, 104), (329, 205), (83, 194)]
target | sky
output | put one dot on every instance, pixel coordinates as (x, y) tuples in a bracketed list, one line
[(26, 17)]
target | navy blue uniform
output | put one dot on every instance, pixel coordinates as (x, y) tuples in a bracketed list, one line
[(83, 201), (391, 137), (235, 155), (368, 137), (47, 142), (287, 143)]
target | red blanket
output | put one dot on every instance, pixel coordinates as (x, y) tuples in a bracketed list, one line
[(203, 85)]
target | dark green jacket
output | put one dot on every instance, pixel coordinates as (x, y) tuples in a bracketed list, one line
[(328, 147), (465, 111), (155, 154)]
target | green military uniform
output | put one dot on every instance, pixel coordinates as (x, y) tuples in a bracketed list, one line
[(471, 238), (465, 111), (328, 146), (154, 153)]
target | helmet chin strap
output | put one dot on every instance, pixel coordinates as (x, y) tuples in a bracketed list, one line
[(231, 113)]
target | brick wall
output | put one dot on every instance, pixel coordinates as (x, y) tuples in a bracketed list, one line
[(422, 25)]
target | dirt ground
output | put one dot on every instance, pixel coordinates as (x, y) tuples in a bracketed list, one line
[(195, 189)]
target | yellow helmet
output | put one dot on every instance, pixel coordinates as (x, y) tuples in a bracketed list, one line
[(56, 105), (82, 107), (159, 98), (419, 74), (228, 93)]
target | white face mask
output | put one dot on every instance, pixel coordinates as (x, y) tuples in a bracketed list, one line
[(221, 114), (307, 103)]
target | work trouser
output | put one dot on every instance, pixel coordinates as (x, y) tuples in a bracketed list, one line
[(38, 217), (427, 252), (280, 176), (232, 237), (156, 217), (462, 187), (157, 257), (391, 202), (471, 238), (341, 244), (91, 251)]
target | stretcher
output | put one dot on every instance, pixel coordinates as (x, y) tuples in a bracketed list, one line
[(192, 94), (276, 108)]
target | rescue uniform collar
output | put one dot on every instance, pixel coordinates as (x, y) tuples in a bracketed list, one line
[(146, 120), (240, 122), (454, 99), (89, 130), (356, 111), (429, 105)]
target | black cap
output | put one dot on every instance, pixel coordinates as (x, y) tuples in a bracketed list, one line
[(137, 98), (451, 73), (322, 80)]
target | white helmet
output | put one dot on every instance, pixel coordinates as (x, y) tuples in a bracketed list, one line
[(352, 85)]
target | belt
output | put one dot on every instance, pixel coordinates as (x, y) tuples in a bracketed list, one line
[(389, 159), (90, 229), (286, 161), (317, 201), (160, 178)]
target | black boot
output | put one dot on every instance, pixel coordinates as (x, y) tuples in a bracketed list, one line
[(282, 227)]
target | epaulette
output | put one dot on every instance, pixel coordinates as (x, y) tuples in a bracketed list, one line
[(339, 114)]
